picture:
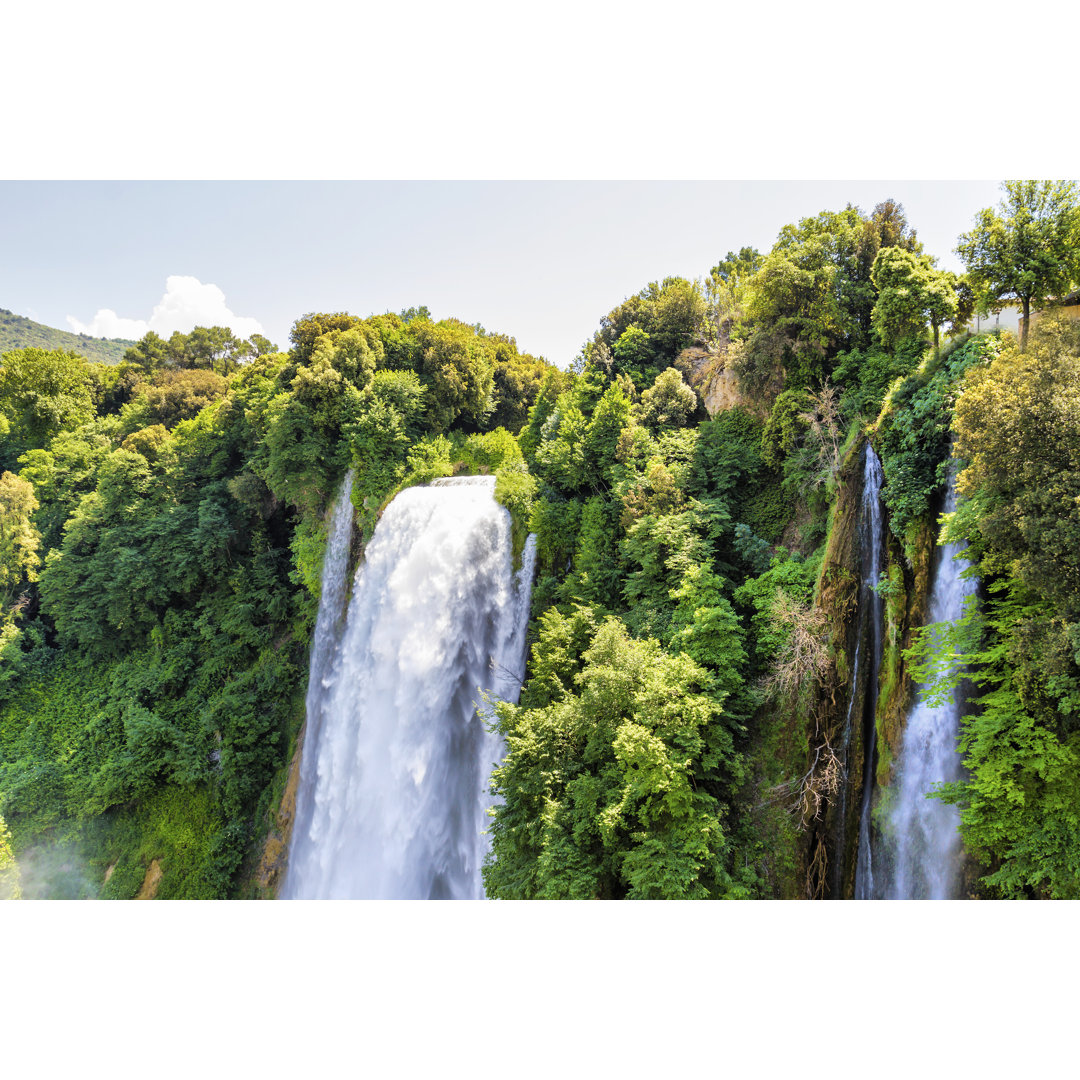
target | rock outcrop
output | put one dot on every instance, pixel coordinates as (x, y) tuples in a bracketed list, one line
[(710, 375)]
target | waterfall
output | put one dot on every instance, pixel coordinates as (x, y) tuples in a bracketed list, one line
[(394, 790), (327, 634), (872, 544), (926, 831)]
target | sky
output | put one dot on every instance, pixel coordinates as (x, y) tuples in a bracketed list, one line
[(542, 261)]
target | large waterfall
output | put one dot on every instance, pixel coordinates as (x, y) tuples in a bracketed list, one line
[(872, 546), (394, 786), (926, 840)]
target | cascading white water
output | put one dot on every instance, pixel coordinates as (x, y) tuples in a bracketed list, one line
[(926, 831), (872, 535), (324, 644), (398, 770)]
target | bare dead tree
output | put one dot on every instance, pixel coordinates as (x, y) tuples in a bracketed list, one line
[(805, 653), (823, 431), (817, 873), (806, 795)]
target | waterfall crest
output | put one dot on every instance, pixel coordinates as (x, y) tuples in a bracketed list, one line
[(925, 831), (394, 785)]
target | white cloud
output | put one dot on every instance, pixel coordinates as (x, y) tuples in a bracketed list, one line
[(106, 323), (187, 303)]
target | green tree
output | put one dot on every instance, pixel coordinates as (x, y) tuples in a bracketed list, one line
[(551, 388), (149, 353), (42, 393), (560, 455), (620, 786), (633, 351), (262, 346), (911, 293), (1017, 425), (596, 577), (706, 628), (65, 472), (726, 292), (647, 331), (209, 347), (669, 402), (813, 294), (1028, 250), (172, 396), (310, 327), (19, 540), (610, 417), (737, 265), (459, 368), (517, 384)]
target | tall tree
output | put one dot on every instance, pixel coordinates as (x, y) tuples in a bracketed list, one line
[(41, 393), (618, 781), (813, 294), (310, 327), (148, 353), (725, 292), (1027, 250), (911, 293)]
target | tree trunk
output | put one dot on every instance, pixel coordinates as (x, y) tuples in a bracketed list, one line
[(1024, 323)]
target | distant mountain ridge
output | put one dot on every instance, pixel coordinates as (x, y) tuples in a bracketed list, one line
[(19, 332)]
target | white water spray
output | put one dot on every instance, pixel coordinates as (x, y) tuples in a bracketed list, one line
[(926, 831), (396, 774)]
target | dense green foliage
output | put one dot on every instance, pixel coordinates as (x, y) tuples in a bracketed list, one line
[(1027, 250), (41, 394), (618, 785), (1018, 427), (911, 293), (627, 770), (657, 537), (814, 295), (914, 434)]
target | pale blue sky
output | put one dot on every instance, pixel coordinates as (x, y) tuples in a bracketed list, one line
[(542, 261)]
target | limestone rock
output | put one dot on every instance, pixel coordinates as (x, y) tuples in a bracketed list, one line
[(713, 379)]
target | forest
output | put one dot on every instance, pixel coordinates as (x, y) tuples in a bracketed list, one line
[(694, 484)]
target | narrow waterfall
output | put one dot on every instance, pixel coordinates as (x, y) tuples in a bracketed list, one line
[(872, 540), (926, 831), (324, 644), (394, 789)]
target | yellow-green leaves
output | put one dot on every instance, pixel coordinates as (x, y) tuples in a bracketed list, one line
[(19, 540)]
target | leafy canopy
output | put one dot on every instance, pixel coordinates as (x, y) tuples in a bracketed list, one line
[(1027, 250)]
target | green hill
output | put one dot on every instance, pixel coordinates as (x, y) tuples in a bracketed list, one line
[(18, 332)]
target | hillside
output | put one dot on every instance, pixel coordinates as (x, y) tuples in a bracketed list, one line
[(19, 332)]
